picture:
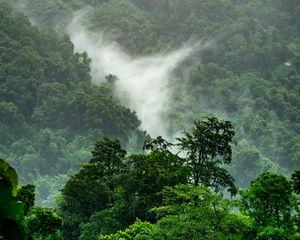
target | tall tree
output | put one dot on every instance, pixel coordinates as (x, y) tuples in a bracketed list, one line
[(206, 148), (109, 155)]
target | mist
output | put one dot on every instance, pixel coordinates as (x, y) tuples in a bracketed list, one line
[(143, 81)]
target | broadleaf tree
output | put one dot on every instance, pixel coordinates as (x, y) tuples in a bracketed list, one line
[(270, 202), (207, 148)]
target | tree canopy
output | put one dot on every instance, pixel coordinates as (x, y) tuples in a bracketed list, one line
[(243, 67)]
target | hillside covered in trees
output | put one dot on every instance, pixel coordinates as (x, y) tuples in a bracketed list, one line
[(244, 67)]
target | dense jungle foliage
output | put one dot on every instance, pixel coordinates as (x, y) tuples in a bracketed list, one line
[(51, 113), (20, 218)]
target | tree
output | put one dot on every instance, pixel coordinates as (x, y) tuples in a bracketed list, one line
[(149, 174), (84, 194), (273, 233), (270, 202), (111, 191), (42, 221), (194, 212), (135, 231), (189, 212), (111, 80), (90, 190), (26, 195), (104, 222), (206, 148), (109, 155)]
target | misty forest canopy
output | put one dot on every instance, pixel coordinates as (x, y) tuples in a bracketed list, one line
[(52, 113)]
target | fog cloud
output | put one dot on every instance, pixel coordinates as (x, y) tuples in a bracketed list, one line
[(143, 84)]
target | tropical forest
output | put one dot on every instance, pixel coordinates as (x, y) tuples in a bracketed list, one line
[(149, 119)]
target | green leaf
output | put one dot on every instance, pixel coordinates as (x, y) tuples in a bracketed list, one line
[(10, 230), (5, 199), (16, 211), (10, 175)]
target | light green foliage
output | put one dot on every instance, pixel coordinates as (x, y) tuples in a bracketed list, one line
[(189, 212), (270, 202), (272, 233), (192, 212), (9, 175), (138, 230)]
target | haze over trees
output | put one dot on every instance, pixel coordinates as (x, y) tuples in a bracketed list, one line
[(52, 113)]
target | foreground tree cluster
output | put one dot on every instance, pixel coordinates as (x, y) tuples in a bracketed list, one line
[(161, 195), (156, 195), (114, 189)]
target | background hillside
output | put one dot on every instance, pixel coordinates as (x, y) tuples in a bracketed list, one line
[(52, 110)]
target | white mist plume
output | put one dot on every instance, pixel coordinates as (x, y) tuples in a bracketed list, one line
[(144, 79)]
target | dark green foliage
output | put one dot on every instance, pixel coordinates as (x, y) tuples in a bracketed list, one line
[(109, 156), (83, 194), (244, 75), (5, 200), (9, 229), (26, 195), (47, 102), (114, 190), (208, 146), (15, 222), (158, 145), (110, 192), (148, 175), (11, 211), (43, 222)]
